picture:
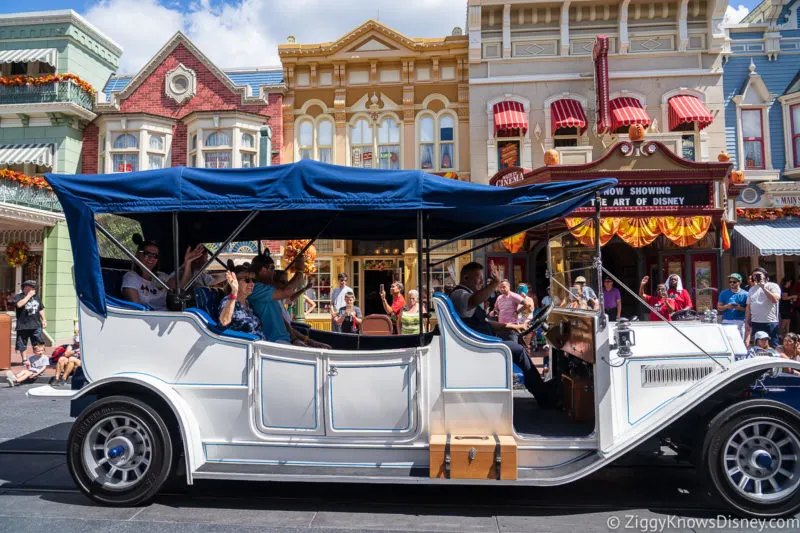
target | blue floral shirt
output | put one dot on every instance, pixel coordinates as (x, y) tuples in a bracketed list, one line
[(243, 319)]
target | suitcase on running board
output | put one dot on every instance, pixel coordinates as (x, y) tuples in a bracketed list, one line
[(473, 457), (578, 399)]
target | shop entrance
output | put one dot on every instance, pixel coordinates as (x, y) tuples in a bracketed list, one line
[(373, 279), (623, 261)]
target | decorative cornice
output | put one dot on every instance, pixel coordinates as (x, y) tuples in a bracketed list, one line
[(29, 215), (415, 44), (65, 16), (67, 108)]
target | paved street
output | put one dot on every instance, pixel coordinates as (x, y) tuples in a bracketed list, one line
[(37, 494)]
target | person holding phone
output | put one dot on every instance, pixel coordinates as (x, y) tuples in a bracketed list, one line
[(761, 314), (661, 302), (349, 316), (398, 302)]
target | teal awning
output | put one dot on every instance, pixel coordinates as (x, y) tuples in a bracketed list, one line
[(767, 237)]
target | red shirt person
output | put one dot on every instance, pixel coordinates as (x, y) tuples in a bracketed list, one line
[(676, 292), (398, 302), (661, 302)]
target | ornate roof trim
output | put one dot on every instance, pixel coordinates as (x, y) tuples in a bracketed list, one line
[(413, 43), (62, 16), (181, 39)]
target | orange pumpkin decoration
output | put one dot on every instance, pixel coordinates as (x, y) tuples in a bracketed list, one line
[(636, 132), (737, 176), (724, 157), (551, 158)]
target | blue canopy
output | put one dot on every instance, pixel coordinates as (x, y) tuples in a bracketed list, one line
[(298, 200)]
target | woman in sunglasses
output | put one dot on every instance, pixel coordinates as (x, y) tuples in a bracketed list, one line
[(138, 285), (234, 311)]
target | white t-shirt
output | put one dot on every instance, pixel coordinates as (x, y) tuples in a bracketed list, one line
[(460, 298), (150, 292), (38, 362), (762, 309)]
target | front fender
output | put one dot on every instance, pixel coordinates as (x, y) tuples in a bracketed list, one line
[(187, 423), (696, 394)]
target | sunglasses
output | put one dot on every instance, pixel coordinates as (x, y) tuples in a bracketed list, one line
[(154, 255), (246, 280), (732, 282)]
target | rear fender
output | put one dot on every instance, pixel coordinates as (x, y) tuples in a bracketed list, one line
[(148, 385)]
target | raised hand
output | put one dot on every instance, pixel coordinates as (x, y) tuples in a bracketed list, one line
[(230, 277), (645, 280), (494, 272)]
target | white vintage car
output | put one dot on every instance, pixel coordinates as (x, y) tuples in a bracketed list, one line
[(173, 393)]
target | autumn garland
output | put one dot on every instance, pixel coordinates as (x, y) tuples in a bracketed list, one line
[(24, 180), (294, 247), (17, 253), (19, 81), (767, 213)]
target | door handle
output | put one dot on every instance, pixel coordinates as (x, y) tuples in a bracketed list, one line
[(333, 371)]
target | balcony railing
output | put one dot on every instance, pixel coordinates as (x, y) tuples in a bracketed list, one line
[(13, 193), (62, 91)]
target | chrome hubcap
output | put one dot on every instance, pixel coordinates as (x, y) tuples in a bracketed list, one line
[(117, 451), (761, 461)]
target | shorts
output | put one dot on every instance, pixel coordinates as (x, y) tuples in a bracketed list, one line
[(23, 335)]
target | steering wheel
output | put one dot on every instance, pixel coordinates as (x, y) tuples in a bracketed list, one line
[(538, 318)]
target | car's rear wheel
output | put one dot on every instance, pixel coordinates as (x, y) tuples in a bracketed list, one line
[(120, 451), (752, 457)]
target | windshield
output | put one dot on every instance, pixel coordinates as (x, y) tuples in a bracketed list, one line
[(573, 279)]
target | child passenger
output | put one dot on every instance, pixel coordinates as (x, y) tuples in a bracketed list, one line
[(761, 347)]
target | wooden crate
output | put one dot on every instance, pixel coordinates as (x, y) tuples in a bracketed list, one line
[(473, 456), (579, 399)]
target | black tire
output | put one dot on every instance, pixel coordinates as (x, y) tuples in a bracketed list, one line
[(734, 429), (146, 428)]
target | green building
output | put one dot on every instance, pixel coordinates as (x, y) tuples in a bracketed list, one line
[(53, 64)]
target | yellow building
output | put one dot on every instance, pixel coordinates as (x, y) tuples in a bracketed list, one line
[(377, 99)]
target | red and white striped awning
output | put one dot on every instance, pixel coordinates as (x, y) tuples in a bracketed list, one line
[(509, 117), (686, 108), (567, 113), (627, 111)]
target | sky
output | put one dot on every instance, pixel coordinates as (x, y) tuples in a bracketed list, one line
[(245, 33)]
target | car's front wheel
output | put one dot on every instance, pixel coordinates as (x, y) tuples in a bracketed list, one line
[(752, 457), (120, 451)]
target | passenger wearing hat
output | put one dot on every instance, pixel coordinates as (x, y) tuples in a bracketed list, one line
[(30, 318), (762, 307), (761, 348), (732, 303), (587, 293)]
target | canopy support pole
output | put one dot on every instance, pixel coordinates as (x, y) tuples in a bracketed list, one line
[(131, 255), (420, 231), (427, 279), (246, 222), (176, 257), (217, 259), (598, 263)]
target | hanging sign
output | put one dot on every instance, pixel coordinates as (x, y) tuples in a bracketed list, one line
[(508, 177)]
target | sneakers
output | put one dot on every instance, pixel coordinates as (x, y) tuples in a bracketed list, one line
[(11, 378)]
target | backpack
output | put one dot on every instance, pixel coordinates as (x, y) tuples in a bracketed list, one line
[(58, 353)]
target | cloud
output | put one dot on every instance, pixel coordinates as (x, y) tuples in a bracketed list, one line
[(734, 15), (247, 32)]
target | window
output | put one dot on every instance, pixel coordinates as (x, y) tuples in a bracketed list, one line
[(565, 137), (156, 153), (389, 144), (795, 113), (426, 143), (508, 153), (442, 276), (752, 139), (446, 142), (320, 290), (306, 142), (325, 141), (125, 157), (218, 158), (247, 150), (157, 143), (361, 144), (19, 69)]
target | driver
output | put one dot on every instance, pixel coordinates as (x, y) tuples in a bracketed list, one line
[(467, 298)]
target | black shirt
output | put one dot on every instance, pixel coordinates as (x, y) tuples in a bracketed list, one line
[(28, 315)]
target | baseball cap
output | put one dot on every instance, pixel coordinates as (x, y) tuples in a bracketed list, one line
[(580, 279), (735, 276), (30, 283), (761, 335)]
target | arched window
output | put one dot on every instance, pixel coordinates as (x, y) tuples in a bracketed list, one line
[(361, 144), (218, 158), (446, 142), (306, 140), (325, 141), (427, 142), (389, 144), (126, 140)]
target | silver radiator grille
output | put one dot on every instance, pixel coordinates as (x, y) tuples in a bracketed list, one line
[(668, 375)]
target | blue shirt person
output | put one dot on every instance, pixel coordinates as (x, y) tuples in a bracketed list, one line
[(269, 311), (732, 303)]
